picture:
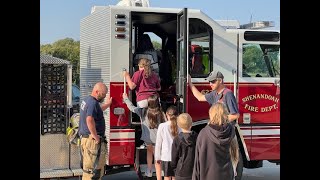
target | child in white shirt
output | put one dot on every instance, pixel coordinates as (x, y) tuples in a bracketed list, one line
[(165, 134)]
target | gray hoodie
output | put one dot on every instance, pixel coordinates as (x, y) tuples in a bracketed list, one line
[(212, 157)]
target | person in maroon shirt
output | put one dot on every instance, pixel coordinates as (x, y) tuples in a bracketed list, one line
[(145, 82)]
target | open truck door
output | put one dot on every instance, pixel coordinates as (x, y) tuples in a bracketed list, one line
[(182, 59)]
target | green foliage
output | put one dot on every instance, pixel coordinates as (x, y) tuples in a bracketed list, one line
[(276, 63), (66, 49), (156, 45), (253, 59)]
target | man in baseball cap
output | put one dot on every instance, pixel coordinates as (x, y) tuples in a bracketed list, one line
[(219, 93), (214, 75)]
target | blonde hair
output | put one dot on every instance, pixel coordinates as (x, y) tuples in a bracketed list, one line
[(234, 152), (146, 65), (184, 121), (218, 114)]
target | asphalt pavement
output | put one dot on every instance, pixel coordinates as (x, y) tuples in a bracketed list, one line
[(269, 171)]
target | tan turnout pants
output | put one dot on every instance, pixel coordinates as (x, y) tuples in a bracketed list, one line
[(89, 150)]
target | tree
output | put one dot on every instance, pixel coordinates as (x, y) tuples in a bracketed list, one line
[(253, 58), (156, 45), (66, 49)]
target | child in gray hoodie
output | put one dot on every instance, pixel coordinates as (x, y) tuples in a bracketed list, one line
[(212, 155)]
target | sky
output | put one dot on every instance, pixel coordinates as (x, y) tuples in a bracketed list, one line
[(60, 19)]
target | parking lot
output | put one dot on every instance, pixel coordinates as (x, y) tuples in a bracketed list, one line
[(269, 171)]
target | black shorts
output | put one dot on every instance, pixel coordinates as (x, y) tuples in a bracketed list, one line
[(167, 169)]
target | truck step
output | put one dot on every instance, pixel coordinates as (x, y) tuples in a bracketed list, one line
[(55, 173), (77, 172)]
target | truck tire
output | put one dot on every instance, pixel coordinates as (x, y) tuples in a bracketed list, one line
[(239, 167)]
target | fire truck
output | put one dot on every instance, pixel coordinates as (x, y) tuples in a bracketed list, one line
[(247, 55), (190, 43)]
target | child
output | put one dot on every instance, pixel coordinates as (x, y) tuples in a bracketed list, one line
[(183, 149), (144, 81), (212, 156), (146, 50), (150, 118), (166, 132)]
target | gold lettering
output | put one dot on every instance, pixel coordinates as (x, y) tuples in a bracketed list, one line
[(245, 99), (250, 97), (254, 96), (274, 106), (268, 108), (251, 108), (258, 96)]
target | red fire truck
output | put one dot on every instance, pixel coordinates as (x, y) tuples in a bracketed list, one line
[(247, 55), (190, 43)]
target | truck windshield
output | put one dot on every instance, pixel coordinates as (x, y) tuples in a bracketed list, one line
[(261, 60)]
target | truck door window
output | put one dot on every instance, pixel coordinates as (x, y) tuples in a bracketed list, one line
[(261, 60), (200, 47)]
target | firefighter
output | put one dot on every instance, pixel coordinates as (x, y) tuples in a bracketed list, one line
[(92, 125), (220, 93)]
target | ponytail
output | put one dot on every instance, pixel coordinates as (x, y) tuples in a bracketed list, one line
[(154, 112), (173, 113), (234, 151)]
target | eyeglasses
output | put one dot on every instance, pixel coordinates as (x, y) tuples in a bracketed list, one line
[(213, 81)]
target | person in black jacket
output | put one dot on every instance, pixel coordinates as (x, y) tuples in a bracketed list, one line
[(212, 156), (183, 149)]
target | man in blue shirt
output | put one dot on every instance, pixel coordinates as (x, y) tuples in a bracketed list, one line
[(219, 93), (92, 132)]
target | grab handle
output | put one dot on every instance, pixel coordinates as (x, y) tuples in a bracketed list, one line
[(124, 82)]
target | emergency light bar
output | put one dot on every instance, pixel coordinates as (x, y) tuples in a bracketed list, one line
[(258, 25), (135, 3)]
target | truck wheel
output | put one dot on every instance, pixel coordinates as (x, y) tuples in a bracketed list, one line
[(239, 167)]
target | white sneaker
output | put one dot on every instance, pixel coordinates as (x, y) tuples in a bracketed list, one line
[(148, 173), (143, 146)]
